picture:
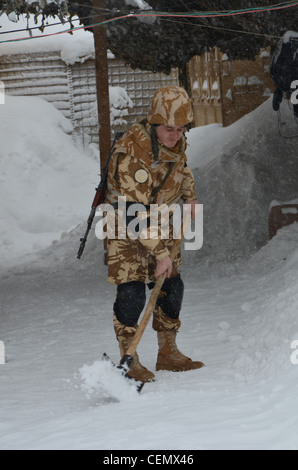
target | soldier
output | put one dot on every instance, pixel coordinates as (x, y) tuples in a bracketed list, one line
[(149, 167)]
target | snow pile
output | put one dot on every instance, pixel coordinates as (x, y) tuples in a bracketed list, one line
[(119, 104), (239, 171), (271, 317), (77, 48), (141, 4), (41, 172), (102, 378)]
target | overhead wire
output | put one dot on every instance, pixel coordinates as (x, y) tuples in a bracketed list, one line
[(169, 20), (31, 28), (276, 6), (239, 31), (208, 14), (167, 15)]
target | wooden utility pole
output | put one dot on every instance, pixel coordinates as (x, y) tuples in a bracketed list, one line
[(102, 81)]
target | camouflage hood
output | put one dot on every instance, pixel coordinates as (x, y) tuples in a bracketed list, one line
[(171, 106), (137, 143)]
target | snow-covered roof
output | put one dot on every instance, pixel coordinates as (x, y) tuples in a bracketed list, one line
[(73, 48), (138, 3)]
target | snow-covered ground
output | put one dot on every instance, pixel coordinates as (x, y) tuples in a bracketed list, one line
[(239, 317)]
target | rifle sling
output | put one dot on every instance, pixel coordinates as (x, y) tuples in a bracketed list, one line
[(156, 190)]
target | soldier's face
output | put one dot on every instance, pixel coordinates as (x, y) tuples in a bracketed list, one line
[(169, 136)]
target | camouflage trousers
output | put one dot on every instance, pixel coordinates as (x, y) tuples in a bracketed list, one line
[(129, 261)]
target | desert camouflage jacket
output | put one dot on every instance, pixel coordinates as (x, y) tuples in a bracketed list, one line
[(135, 175)]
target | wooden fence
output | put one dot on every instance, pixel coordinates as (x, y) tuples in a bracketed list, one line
[(223, 91)]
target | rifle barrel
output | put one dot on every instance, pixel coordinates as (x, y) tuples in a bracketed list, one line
[(84, 239)]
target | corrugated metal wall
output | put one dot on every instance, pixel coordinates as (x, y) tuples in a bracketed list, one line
[(72, 88)]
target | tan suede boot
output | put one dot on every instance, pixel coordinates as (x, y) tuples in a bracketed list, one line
[(125, 336), (169, 357)]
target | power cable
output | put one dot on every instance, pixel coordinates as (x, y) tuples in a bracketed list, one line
[(279, 6), (44, 26), (239, 31)]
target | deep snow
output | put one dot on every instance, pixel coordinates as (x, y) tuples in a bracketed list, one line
[(239, 170), (39, 165), (239, 318)]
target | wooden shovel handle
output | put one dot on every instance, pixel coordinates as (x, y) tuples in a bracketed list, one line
[(156, 290)]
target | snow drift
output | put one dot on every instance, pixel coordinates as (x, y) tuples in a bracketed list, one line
[(239, 170), (42, 173)]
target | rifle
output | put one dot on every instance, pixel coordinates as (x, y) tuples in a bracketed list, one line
[(99, 196)]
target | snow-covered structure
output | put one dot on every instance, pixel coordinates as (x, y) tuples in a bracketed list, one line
[(71, 88), (61, 70)]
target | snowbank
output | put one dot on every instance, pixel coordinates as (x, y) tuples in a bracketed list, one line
[(46, 181), (239, 170)]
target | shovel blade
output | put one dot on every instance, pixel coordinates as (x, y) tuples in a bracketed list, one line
[(124, 368)]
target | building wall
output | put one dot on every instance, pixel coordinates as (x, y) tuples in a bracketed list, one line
[(72, 88), (223, 91)]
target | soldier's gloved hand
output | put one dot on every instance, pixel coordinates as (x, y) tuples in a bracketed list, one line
[(165, 265)]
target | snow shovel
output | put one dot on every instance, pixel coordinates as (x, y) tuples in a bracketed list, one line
[(127, 359)]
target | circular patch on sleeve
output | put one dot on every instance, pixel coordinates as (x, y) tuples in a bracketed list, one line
[(141, 176)]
